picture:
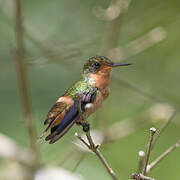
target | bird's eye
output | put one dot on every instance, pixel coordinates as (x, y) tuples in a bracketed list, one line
[(97, 65)]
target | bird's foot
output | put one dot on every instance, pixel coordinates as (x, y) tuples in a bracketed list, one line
[(85, 125)]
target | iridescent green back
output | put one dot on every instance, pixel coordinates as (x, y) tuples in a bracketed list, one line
[(78, 88)]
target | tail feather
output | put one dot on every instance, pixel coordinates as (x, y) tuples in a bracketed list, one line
[(58, 136), (45, 131)]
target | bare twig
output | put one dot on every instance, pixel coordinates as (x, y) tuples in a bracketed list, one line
[(95, 149), (153, 139), (140, 177), (142, 43), (22, 77), (163, 155), (141, 161), (82, 140), (164, 126), (51, 57), (136, 89), (91, 145), (153, 131)]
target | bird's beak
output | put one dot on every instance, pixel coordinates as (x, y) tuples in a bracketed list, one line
[(119, 64)]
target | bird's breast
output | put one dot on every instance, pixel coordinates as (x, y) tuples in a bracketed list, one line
[(102, 82), (100, 98)]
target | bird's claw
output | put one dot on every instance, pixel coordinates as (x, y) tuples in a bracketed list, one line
[(86, 127)]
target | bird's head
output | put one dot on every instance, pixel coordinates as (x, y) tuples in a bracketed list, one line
[(100, 64)]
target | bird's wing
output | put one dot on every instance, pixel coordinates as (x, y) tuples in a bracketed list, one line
[(56, 110), (63, 125), (57, 114), (88, 96), (61, 117)]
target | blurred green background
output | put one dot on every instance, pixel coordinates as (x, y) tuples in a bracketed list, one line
[(60, 36)]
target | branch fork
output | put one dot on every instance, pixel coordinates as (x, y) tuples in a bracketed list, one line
[(92, 147), (140, 177), (90, 144)]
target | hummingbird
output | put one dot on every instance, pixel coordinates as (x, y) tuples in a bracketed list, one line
[(90, 92)]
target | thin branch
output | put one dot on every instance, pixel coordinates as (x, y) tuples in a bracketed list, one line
[(136, 89), (22, 78), (142, 43), (164, 126), (140, 177), (153, 131), (95, 149), (163, 155), (141, 161), (82, 140), (153, 139)]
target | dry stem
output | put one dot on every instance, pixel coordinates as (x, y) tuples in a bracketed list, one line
[(153, 131), (136, 89), (22, 77), (140, 177), (141, 161), (95, 149), (164, 126), (163, 155), (91, 145)]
